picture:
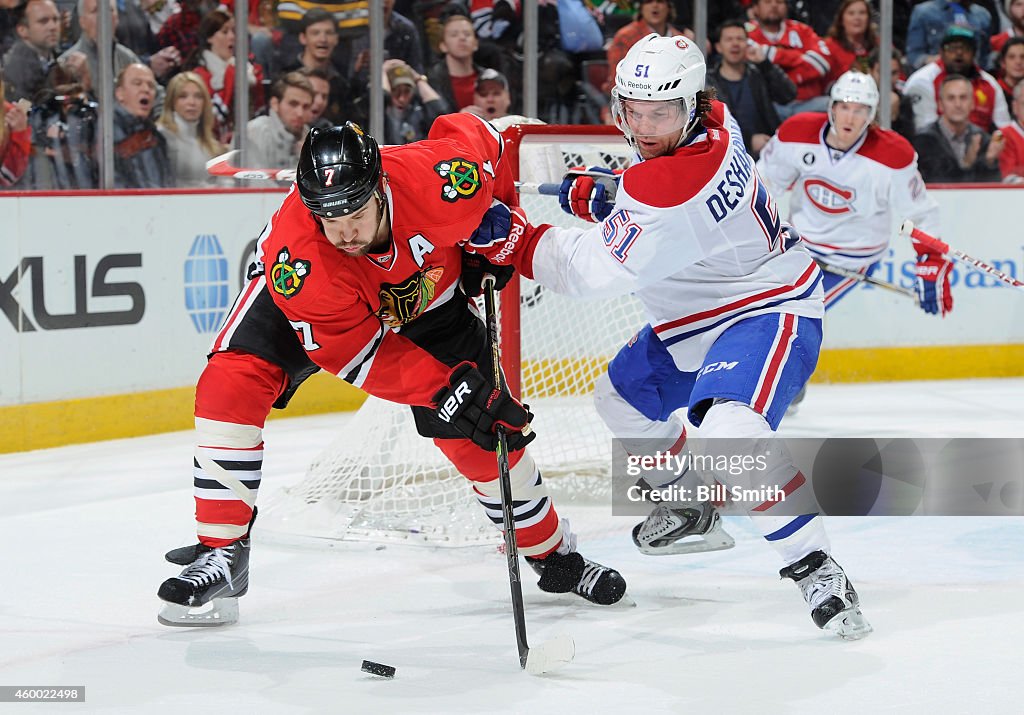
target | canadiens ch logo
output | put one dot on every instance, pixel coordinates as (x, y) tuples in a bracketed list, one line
[(829, 198), (402, 302), (463, 179), (287, 276)]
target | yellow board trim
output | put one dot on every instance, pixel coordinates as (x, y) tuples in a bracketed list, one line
[(53, 424)]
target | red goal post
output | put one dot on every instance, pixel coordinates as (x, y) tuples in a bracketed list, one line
[(541, 153)]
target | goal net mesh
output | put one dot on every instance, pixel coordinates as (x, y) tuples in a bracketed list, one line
[(380, 481)]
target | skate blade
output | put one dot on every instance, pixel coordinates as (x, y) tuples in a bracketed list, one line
[(550, 655), (715, 540), (218, 612), (850, 625)]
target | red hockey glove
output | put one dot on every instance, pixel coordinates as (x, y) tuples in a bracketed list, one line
[(471, 404), (589, 197), (932, 282)]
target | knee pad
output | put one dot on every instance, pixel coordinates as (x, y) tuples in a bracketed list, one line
[(212, 436), (525, 478), (626, 422), (729, 418)]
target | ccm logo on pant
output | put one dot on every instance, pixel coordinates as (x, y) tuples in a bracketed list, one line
[(451, 405)]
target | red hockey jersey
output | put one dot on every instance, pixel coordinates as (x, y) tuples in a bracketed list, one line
[(348, 311), (798, 50)]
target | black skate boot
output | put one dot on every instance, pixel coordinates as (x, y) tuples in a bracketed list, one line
[(216, 578), (677, 529), (835, 606), (562, 573)]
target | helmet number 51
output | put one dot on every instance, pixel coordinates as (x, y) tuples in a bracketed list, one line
[(641, 70)]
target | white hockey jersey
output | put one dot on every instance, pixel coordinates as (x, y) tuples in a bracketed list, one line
[(844, 203), (696, 236)]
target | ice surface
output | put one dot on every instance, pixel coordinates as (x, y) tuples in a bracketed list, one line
[(84, 529)]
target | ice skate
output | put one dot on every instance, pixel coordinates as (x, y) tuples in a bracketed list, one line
[(206, 593), (835, 606), (562, 573), (682, 530)]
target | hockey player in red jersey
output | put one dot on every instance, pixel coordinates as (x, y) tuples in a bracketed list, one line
[(734, 303), (359, 275)]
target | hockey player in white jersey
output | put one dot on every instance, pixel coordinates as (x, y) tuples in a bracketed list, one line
[(852, 181), (696, 236)]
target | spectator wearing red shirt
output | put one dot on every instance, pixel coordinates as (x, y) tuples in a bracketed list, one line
[(852, 36), (1015, 11), (956, 57), (454, 77), (797, 49), (1011, 66), (15, 140), (181, 29), (215, 63), (1011, 161)]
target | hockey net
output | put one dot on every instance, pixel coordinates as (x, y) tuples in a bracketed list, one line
[(381, 481)]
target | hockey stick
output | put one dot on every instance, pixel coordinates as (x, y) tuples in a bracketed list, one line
[(939, 246), (864, 278), (561, 649), (222, 166)]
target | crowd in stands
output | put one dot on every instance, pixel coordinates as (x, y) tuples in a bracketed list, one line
[(956, 70)]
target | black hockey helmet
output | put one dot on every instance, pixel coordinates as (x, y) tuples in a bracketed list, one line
[(339, 170)]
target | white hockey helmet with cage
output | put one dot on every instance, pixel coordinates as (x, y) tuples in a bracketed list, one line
[(856, 88), (670, 70)]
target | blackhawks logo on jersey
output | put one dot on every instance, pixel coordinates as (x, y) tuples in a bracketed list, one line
[(402, 302), (463, 179), (287, 276)]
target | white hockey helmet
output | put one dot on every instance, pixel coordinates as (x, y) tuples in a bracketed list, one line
[(857, 88), (657, 69)]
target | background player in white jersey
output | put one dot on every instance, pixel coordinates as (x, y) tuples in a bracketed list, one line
[(694, 234), (852, 182)]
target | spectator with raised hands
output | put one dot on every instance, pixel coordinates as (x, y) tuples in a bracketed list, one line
[(952, 148), (412, 104), (1011, 160), (797, 49), (187, 126), (81, 60), (15, 139)]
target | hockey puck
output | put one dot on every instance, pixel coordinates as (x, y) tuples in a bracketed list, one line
[(384, 671)]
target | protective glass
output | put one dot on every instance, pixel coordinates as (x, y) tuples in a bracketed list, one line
[(642, 118)]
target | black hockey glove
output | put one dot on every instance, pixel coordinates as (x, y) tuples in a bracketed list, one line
[(475, 267), (471, 404)]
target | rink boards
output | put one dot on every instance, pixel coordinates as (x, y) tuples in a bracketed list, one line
[(109, 303)]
